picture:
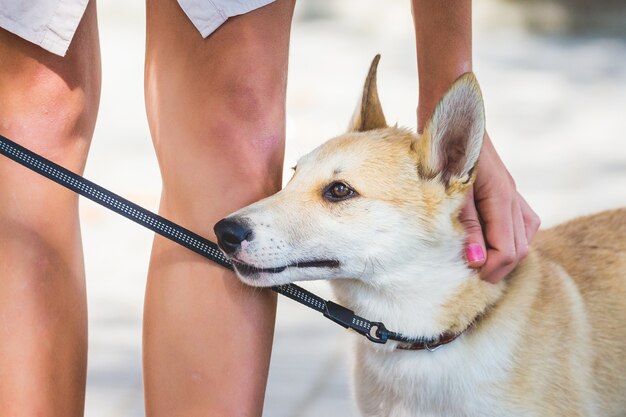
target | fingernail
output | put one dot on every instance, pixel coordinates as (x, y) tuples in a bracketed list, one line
[(474, 253)]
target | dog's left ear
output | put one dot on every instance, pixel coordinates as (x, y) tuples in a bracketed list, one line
[(451, 142), (369, 113)]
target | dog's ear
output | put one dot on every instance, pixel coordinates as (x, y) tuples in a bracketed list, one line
[(369, 113), (451, 142)]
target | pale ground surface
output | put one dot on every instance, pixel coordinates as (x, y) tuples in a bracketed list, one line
[(556, 110)]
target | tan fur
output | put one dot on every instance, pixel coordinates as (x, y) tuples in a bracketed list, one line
[(469, 304), (549, 340), (570, 295), (592, 253), (369, 113)]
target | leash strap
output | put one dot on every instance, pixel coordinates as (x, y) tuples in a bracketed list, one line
[(374, 331)]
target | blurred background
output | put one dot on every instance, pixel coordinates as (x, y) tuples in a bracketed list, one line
[(553, 74)]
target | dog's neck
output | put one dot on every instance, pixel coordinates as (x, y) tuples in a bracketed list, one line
[(432, 294)]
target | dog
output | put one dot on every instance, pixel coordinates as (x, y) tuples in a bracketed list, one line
[(375, 211)]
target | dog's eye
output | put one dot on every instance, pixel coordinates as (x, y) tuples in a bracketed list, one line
[(338, 191)]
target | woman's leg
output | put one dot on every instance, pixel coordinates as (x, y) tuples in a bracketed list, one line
[(216, 109), (48, 104)]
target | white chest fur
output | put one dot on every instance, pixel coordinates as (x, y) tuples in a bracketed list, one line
[(463, 378)]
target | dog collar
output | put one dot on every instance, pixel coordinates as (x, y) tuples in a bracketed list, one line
[(433, 344), (428, 344)]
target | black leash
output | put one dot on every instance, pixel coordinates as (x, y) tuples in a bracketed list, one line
[(374, 331)]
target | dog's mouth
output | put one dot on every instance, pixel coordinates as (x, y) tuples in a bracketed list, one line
[(247, 270)]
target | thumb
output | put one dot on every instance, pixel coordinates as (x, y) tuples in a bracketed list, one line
[(475, 249)]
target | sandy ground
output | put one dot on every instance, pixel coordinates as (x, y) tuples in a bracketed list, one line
[(556, 110)]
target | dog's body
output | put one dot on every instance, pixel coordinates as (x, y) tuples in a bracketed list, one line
[(375, 210), (551, 345)]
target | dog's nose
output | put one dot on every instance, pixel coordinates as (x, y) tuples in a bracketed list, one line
[(230, 234)]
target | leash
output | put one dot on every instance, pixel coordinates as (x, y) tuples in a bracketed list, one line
[(374, 331)]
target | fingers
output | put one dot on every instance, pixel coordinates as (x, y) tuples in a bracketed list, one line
[(508, 223), (499, 229), (519, 230), (475, 249), (531, 219), (507, 230)]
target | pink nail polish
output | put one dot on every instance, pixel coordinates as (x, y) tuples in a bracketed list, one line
[(474, 253)]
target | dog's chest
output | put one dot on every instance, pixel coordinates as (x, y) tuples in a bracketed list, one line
[(421, 383)]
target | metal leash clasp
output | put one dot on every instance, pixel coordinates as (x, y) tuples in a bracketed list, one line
[(378, 333)]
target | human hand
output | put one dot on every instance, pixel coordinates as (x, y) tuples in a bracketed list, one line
[(499, 223)]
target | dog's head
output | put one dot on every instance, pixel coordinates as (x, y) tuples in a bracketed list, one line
[(376, 199)]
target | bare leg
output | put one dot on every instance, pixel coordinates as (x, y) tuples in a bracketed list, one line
[(48, 104), (216, 109)]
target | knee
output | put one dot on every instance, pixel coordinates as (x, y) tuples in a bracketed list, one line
[(248, 127), (258, 99), (49, 111), (252, 84), (245, 101), (252, 116)]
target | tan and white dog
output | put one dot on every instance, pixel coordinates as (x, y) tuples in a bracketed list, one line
[(375, 211)]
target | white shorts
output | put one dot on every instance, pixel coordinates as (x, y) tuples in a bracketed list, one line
[(51, 23)]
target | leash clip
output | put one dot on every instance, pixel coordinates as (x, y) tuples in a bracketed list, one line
[(378, 333)]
